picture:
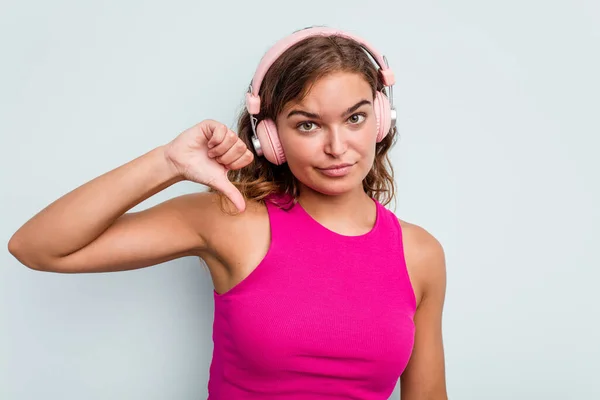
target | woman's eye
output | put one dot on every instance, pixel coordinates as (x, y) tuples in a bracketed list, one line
[(356, 118), (305, 126)]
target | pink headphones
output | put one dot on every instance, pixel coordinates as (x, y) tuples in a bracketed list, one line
[(265, 138)]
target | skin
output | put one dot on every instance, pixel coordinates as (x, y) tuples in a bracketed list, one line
[(336, 137), (99, 236)]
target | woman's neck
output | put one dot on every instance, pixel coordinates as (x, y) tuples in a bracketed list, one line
[(349, 211)]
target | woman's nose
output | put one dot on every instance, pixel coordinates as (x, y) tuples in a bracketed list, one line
[(336, 142)]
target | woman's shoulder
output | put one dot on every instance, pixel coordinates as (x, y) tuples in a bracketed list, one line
[(227, 233), (425, 258), (418, 238), (211, 209)]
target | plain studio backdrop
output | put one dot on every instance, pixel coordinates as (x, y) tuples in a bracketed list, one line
[(498, 107)]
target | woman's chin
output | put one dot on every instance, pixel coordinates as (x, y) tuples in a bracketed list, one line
[(336, 186)]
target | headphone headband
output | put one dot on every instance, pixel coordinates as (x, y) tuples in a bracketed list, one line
[(252, 98)]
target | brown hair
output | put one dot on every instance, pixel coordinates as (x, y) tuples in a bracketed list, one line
[(290, 78)]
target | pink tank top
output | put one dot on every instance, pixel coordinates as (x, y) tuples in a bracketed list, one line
[(323, 315)]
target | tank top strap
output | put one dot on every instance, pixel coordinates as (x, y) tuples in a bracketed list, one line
[(281, 218), (390, 239), (388, 224)]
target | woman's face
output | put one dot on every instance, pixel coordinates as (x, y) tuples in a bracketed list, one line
[(333, 125)]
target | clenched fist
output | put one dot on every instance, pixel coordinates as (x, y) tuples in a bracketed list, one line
[(205, 152)]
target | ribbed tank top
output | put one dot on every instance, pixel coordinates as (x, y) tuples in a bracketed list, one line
[(322, 316)]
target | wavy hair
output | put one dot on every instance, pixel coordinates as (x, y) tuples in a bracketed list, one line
[(290, 78)]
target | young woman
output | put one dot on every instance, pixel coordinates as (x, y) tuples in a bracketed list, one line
[(320, 291)]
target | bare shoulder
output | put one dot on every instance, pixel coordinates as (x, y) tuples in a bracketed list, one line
[(234, 242), (213, 205), (425, 259), (214, 216)]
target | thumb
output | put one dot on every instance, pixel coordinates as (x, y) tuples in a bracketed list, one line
[(224, 186)]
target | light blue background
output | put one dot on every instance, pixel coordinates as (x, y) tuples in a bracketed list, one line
[(498, 107)]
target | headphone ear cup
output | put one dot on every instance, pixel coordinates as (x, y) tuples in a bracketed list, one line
[(268, 137), (383, 115)]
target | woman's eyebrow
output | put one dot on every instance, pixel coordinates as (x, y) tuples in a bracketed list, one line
[(317, 116)]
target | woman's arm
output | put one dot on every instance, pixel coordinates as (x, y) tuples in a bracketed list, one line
[(87, 229), (424, 377)]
